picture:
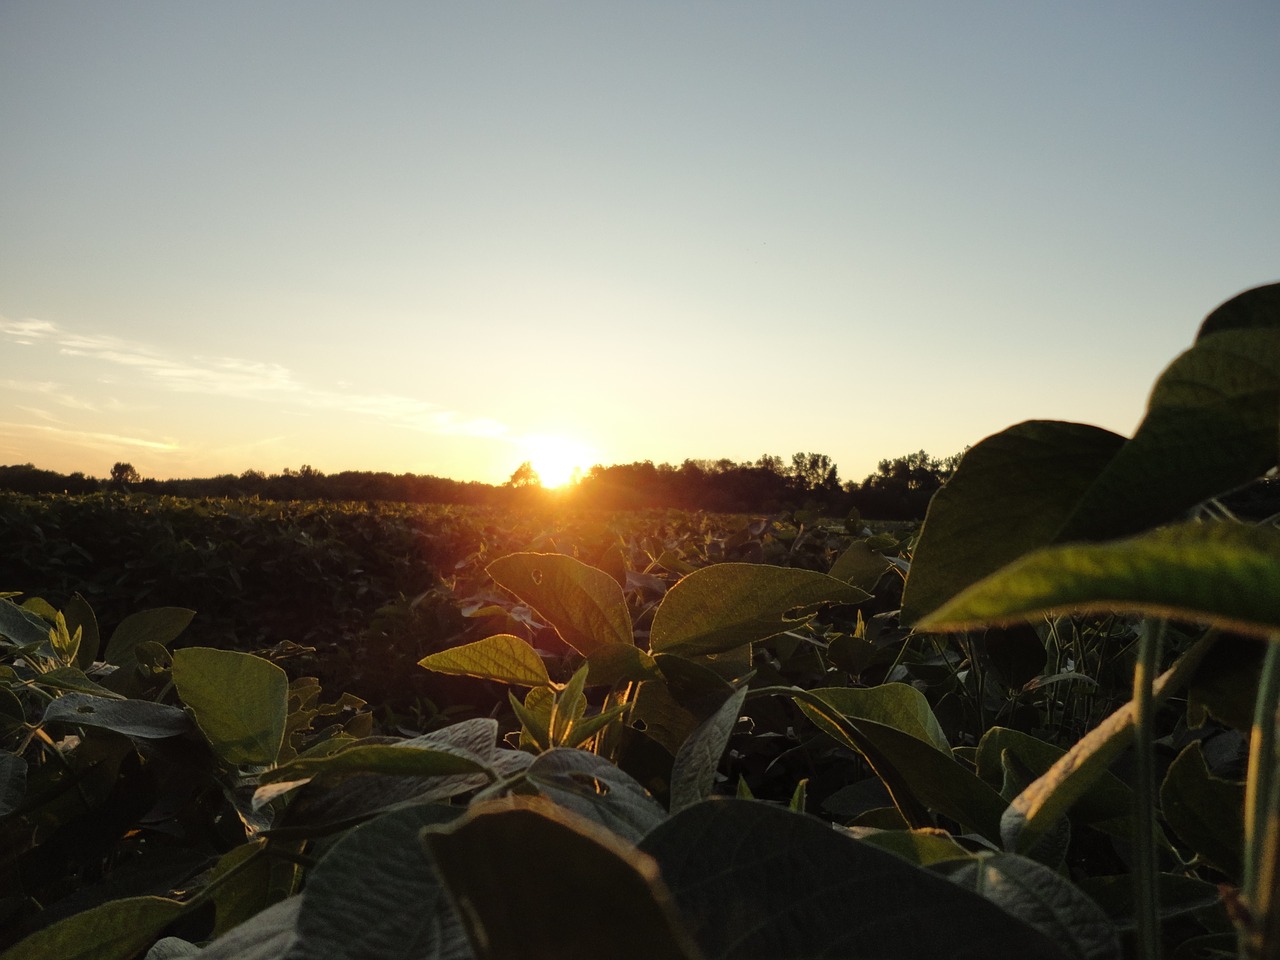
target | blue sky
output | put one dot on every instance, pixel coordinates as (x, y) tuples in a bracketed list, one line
[(447, 237)]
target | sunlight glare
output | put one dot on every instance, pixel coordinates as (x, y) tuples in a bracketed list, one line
[(556, 459)]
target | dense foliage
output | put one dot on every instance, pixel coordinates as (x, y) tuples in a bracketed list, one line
[(1045, 725)]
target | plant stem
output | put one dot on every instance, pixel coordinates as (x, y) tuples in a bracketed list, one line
[(1147, 898), (1260, 940)]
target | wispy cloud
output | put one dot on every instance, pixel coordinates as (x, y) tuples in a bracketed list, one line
[(236, 377), (55, 392), (86, 438)]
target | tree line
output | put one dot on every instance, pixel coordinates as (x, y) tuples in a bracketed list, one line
[(899, 489)]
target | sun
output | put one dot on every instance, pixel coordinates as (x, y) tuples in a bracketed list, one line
[(555, 459)]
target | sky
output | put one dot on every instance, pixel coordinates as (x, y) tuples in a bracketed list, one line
[(445, 238)]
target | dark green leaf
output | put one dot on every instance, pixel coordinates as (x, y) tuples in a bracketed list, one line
[(117, 930), (537, 881), (133, 718), (1010, 494), (396, 908), (161, 625), (1258, 308), (21, 626), (1042, 898), (755, 881), (1178, 895), (1211, 426), (73, 679), (13, 782), (80, 617), (1206, 812), (898, 705)]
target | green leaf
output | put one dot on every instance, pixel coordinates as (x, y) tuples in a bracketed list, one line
[(920, 847), (915, 772), (21, 626), (161, 625), (1178, 895), (117, 930), (698, 759), (1258, 308), (397, 759), (1037, 808), (859, 565), (239, 701), (1107, 798), (1043, 899), (13, 782), (397, 908), (80, 617), (752, 880), (538, 881), (898, 705), (594, 788), (1211, 426), (615, 664), (534, 715), (728, 605), (1010, 494), (133, 718), (73, 679), (65, 643), (502, 657), (584, 605), (568, 708), (1206, 812), (1223, 573)]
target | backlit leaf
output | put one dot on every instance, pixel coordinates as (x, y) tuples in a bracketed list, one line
[(694, 773), (728, 605), (239, 701), (503, 657), (897, 705), (1223, 573), (584, 605)]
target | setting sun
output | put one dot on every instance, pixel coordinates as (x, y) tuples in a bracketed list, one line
[(556, 459)]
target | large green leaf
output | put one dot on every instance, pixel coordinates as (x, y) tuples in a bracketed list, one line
[(133, 718), (756, 881), (1223, 573), (1257, 308), (728, 605), (1010, 494), (239, 701), (538, 881), (1206, 812), (376, 896), (897, 705), (161, 625), (584, 605), (1042, 898), (118, 930), (22, 627), (1212, 424), (502, 657)]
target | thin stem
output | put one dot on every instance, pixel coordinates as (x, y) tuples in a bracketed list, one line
[(1147, 900), (1262, 815)]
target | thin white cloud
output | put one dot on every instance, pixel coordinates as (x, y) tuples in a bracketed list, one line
[(245, 379), (87, 438), (56, 392)]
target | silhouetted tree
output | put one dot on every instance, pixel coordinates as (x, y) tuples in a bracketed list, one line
[(124, 475), (525, 476)]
